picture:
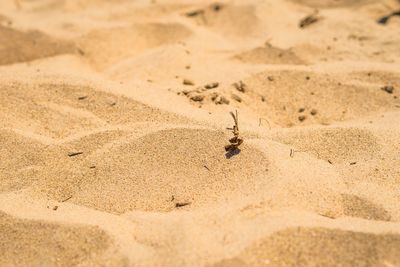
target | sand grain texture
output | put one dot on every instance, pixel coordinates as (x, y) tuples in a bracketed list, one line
[(114, 117)]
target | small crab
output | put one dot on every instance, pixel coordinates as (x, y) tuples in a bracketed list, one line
[(236, 140)]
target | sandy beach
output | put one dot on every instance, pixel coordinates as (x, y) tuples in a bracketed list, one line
[(113, 128)]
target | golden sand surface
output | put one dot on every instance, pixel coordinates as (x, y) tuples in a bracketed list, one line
[(113, 118)]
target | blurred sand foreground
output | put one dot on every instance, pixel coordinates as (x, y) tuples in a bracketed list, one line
[(113, 118)]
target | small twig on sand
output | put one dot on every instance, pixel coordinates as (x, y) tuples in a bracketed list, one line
[(310, 19), (384, 20), (72, 154), (68, 198), (194, 13), (328, 216), (236, 140), (182, 204)]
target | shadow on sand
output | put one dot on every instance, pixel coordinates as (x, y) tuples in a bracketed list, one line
[(232, 152)]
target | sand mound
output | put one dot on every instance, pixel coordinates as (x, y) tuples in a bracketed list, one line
[(159, 170), (385, 172), (104, 47), (40, 113), (292, 98), (18, 46), (377, 177), (19, 157), (375, 77), (37, 243), (354, 152), (228, 19), (363, 208), (336, 145), (115, 117), (58, 110), (269, 55), (322, 247), (172, 61)]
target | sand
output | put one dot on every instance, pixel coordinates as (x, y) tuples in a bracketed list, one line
[(113, 118)]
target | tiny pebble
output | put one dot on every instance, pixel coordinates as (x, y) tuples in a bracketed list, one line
[(188, 82), (302, 118), (240, 86), (211, 85), (222, 100), (197, 98), (214, 96), (388, 89)]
